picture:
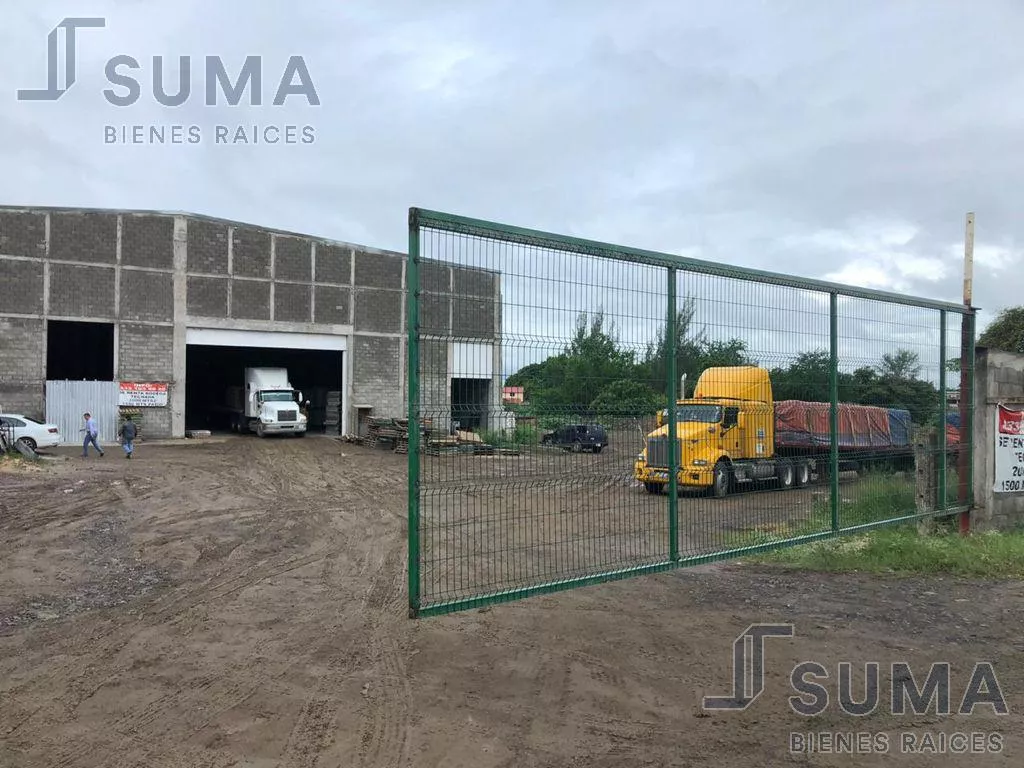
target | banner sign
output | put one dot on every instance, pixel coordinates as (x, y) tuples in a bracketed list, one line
[(142, 394), (1009, 450)]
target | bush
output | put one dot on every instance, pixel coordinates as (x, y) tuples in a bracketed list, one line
[(521, 435)]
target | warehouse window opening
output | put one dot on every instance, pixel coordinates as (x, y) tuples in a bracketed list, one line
[(79, 351), (469, 403)]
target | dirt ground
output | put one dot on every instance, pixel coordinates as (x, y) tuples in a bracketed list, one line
[(242, 603)]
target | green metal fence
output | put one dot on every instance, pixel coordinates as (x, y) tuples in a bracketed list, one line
[(541, 371)]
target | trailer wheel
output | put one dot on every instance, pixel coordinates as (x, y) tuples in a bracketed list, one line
[(785, 475), (654, 489), (722, 479), (803, 474)]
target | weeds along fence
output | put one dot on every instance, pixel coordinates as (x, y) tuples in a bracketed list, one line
[(543, 368)]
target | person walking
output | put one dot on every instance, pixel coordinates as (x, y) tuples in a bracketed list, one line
[(127, 433), (92, 431)]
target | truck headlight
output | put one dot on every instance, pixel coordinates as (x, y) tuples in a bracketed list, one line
[(700, 462)]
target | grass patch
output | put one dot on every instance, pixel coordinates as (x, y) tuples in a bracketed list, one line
[(906, 551), (520, 436), (899, 549)]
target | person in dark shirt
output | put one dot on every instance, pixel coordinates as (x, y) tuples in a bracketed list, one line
[(127, 434)]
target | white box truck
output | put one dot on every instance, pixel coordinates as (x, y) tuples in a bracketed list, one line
[(268, 404)]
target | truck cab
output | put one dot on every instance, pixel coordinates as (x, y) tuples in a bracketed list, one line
[(271, 403), (724, 435)]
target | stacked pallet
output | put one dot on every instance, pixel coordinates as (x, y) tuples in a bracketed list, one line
[(386, 430), (464, 442), (332, 412)]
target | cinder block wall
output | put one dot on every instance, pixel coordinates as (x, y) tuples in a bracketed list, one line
[(120, 267), (999, 378)]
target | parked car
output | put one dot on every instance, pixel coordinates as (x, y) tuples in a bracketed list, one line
[(36, 434), (578, 437)]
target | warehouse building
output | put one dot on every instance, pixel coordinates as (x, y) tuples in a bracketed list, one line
[(159, 313)]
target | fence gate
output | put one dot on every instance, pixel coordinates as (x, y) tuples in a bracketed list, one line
[(66, 401), (803, 410)]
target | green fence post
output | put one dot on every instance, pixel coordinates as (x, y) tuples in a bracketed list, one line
[(942, 412), (412, 314), (967, 424), (671, 442), (833, 311)]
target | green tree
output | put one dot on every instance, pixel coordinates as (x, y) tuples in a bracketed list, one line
[(627, 398), (1006, 332), (654, 363), (808, 377), (714, 354), (902, 364), (572, 379)]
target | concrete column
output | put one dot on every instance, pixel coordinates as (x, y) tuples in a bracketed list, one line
[(177, 393), (497, 408)]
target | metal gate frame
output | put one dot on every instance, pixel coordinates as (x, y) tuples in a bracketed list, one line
[(420, 218)]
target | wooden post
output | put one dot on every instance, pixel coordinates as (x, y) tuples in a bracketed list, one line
[(926, 477)]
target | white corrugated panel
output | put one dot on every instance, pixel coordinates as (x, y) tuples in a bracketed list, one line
[(66, 401), (230, 337), (472, 361)]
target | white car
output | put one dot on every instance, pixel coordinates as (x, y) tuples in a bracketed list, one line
[(36, 434)]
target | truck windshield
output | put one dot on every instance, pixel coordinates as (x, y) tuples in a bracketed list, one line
[(702, 414), (276, 397)]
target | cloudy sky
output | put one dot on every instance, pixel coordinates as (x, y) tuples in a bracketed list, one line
[(840, 140)]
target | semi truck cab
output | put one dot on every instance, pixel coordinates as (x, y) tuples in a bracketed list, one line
[(725, 434), (271, 404)]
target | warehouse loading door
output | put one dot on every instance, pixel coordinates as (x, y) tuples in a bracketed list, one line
[(216, 360), (471, 386)]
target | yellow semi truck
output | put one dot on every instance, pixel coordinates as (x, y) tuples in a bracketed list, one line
[(733, 433), (725, 437)]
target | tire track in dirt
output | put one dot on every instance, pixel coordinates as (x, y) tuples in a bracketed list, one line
[(384, 736), (317, 723), (156, 732), (217, 692)]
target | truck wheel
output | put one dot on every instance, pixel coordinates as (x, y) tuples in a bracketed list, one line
[(803, 474), (654, 489), (785, 475), (259, 429), (720, 488)]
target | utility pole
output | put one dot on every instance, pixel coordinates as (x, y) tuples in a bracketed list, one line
[(966, 364)]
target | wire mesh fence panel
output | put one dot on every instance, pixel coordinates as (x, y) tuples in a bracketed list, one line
[(588, 411)]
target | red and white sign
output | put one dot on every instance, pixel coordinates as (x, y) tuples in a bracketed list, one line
[(140, 394), (1009, 450)]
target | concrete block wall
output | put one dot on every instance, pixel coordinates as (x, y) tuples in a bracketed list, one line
[(93, 266), (999, 378), (22, 365), (127, 268)]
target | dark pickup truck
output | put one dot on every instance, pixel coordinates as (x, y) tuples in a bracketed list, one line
[(577, 437)]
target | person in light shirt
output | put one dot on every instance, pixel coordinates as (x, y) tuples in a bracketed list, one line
[(92, 431)]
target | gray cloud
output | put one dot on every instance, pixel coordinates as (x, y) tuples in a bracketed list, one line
[(825, 140)]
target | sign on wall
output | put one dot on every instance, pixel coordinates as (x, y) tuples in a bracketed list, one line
[(142, 394), (1009, 450)]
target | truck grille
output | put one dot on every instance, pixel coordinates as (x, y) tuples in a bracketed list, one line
[(657, 451), (287, 415)]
